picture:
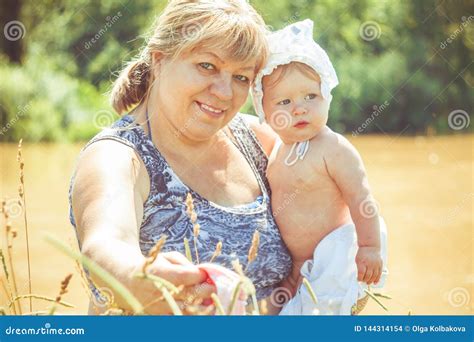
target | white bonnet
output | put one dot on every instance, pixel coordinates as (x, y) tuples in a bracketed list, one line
[(295, 43)]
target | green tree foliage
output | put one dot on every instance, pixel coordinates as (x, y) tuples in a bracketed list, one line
[(402, 66)]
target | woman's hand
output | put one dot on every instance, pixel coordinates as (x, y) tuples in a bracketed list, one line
[(177, 269)]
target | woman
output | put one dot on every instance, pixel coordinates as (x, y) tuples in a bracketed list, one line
[(183, 136)]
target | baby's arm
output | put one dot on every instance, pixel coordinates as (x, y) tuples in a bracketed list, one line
[(346, 168)]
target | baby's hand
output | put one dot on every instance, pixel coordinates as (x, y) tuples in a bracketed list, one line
[(369, 265)]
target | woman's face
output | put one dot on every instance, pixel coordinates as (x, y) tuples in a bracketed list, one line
[(199, 92)]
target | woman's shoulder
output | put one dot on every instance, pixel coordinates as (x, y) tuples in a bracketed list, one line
[(111, 156), (263, 133)]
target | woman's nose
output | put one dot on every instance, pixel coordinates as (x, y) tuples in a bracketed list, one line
[(222, 88)]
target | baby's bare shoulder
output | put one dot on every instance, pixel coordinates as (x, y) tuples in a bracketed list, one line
[(336, 149), (329, 142)]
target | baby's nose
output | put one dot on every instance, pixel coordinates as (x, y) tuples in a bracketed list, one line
[(300, 110)]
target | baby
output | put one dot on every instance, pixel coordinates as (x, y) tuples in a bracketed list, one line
[(320, 194)]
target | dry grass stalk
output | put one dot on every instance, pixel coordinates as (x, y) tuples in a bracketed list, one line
[(310, 290), (371, 295), (263, 307), (114, 312), (237, 267), (378, 294), (169, 299), (167, 289), (153, 254), (64, 285), (253, 251), (357, 308), (218, 304), (4, 288), (217, 252), (9, 232), (9, 292), (193, 217), (84, 281), (235, 296), (62, 292), (21, 193), (163, 282), (115, 285), (187, 250), (38, 313), (45, 298)]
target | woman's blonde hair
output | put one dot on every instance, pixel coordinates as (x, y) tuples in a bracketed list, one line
[(232, 26)]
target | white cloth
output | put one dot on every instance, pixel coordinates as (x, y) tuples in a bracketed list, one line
[(333, 275), (295, 43)]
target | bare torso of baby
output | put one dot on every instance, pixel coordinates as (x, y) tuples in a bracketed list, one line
[(306, 202)]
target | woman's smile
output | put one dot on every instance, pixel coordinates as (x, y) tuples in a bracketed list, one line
[(211, 110)]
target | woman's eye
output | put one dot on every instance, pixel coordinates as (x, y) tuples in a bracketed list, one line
[(310, 97), (207, 66), (242, 78), (284, 102)]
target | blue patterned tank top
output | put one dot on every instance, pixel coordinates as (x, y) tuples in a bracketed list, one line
[(165, 210)]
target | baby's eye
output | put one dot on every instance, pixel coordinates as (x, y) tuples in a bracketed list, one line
[(310, 97), (207, 66), (284, 102), (242, 78)]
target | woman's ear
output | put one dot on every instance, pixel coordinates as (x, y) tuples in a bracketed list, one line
[(156, 60)]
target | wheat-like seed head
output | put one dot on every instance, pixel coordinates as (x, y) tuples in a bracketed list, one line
[(254, 247), (196, 229), (237, 267), (153, 254), (217, 251), (64, 285)]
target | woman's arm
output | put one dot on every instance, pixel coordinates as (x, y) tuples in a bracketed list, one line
[(110, 187), (265, 135)]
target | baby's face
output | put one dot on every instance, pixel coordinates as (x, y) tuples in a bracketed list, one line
[(294, 106)]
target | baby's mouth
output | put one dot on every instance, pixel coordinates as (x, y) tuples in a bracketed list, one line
[(301, 124)]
